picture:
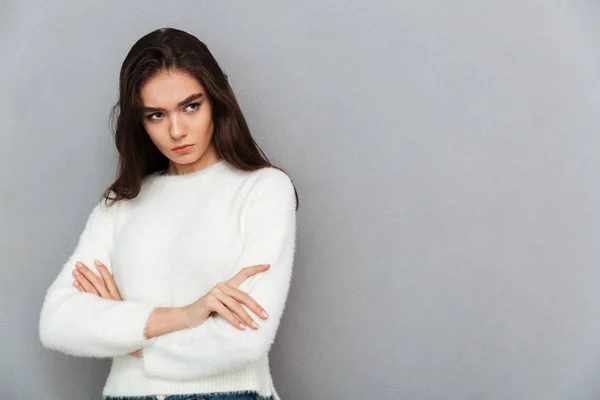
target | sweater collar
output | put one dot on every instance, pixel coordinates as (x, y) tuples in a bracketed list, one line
[(159, 176)]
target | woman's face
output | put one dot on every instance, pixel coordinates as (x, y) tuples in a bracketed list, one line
[(177, 112)]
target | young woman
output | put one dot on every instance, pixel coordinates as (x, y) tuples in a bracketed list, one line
[(187, 248)]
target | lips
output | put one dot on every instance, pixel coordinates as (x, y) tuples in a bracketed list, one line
[(183, 149)]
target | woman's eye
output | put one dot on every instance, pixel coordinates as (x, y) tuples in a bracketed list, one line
[(195, 105), (157, 115), (149, 116)]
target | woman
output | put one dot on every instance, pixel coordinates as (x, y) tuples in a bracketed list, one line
[(187, 248)]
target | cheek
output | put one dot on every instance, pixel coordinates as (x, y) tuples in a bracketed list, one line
[(206, 126), (203, 120), (154, 134)]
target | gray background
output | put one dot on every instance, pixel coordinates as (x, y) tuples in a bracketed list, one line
[(446, 158)]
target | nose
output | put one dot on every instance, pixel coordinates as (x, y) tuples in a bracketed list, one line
[(177, 129)]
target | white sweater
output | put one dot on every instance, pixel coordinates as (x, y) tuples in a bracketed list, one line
[(166, 248)]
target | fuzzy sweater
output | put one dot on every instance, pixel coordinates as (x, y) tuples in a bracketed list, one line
[(166, 248)]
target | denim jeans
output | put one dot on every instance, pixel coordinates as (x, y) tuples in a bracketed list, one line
[(247, 395)]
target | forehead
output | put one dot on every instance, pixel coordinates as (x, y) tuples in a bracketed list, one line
[(167, 88)]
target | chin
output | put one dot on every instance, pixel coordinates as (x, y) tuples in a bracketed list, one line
[(187, 159)]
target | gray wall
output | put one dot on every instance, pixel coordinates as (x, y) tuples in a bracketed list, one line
[(446, 158)]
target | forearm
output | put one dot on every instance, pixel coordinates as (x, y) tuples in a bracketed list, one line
[(216, 346), (165, 320), (85, 325)]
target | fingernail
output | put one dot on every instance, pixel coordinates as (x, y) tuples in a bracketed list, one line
[(97, 263), (264, 314), (254, 325), (242, 325), (79, 264)]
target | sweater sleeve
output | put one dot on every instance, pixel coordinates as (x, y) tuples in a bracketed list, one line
[(216, 346), (83, 324)]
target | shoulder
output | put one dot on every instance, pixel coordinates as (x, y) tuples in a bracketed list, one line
[(148, 179), (100, 219), (273, 184), (272, 178), (106, 211)]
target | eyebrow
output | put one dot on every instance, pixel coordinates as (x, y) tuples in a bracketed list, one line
[(180, 104)]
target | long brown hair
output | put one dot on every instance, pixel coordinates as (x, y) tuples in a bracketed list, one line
[(165, 49)]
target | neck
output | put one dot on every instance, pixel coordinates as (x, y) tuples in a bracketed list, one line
[(187, 169)]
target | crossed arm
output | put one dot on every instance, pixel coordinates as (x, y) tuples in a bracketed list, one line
[(161, 320), (81, 323), (222, 299)]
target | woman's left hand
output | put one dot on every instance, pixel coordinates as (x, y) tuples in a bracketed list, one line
[(87, 281)]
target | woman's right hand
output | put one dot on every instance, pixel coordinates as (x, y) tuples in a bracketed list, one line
[(226, 299)]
